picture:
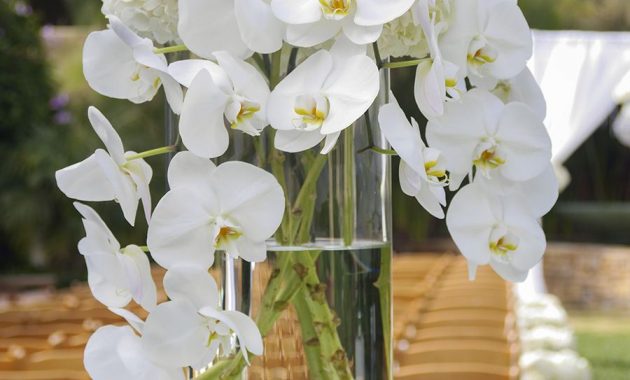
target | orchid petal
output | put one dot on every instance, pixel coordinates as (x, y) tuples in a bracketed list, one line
[(201, 124), (297, 11), (123, 185), (261, 31), (193, 284), (294, 141), (138, 269), (179, 232), (330, 142), (186, 70), (351, 90), (85, 181), (378, 12), (107, 134), (362, 35), (403, 137), (189, 170), (309, 35), (175, 335), (203, 37), (251, 196)]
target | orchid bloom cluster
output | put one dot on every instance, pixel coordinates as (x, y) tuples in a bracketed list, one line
[(484, 114)]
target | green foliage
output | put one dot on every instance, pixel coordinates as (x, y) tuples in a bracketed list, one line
[(577, 14), (608, 353), (40, 137)]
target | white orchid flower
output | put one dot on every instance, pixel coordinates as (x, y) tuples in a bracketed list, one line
[(190, 329), (487, 39), (494, 230), (311, 22), (236, 26), (436, 79), (539, 194), (119, 64), (115, 275), (422, 174), (522, 88), (116, 352), (479, 130), (234, 207), (111, 175), (232, 90), (320, 98)]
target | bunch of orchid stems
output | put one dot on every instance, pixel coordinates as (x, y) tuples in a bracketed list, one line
[(485, 129)]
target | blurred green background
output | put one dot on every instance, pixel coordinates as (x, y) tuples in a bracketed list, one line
[(43, 103)]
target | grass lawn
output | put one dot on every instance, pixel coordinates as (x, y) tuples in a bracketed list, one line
[(604, 339)]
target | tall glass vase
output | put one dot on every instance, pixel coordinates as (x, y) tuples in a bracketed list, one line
[(322, 300)]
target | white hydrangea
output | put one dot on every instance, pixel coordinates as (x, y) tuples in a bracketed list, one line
[(544, 365), (402, 37), (155, 19)]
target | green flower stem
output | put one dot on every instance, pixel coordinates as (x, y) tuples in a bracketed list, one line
[(276, 60), (170, 49), (401, 64), (152, 152), (144, 248), (384, 286), (348, 186), (312, 303)]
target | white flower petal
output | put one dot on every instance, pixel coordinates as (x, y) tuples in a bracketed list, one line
[(179, 232), (97, 230), (107, 280), (138, 270), (85, 181), (189, 170), (201, 124), (360, 34), (248, 250), (526, 141), (403, 137), (246, 330), (430, 88), (297, 141), (207, 26), (430, 201), (410, 181), (307, 78), (173, 91), (133, 320), (175, 335), (251, 197), (309, 35), (247, 81), (123, 185), (193, 284), (110, 68), (186, 70), (470, 221), (330, 142), (532, 242), (101, 357), (351, 90), (507, 29), (508, 272), (141, 174), (378, 12), (296, 11), (261, 31), (107, 134)]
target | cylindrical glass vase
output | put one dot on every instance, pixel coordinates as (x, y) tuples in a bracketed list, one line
[(322, 300)]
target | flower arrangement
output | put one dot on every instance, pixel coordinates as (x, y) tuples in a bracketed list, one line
[(484, 140)]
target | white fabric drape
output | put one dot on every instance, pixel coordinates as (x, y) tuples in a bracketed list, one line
[(584, 76), (579, 73)]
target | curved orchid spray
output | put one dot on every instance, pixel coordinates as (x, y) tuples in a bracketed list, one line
[(309, 69)]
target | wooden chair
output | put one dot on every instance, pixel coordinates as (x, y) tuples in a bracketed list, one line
[(454, 371), (457, 351), (44, 375)]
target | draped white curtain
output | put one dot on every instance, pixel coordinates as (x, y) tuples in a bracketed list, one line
[(584, 76)]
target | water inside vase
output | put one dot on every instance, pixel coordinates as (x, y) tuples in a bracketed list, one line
[(355, 282)]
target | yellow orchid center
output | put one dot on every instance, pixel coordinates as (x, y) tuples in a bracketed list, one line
[(502, 242), (246, 112), (480, 52), (435, 172), (335, 9), (311, 112), (488, 156), (225, 234)]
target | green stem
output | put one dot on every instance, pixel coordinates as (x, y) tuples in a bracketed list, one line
[(260, 62), (348, 186), (170, 49), (377, 55), (144, 248), (152, 152), (401, 64), (384, 286), (276, 60)]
